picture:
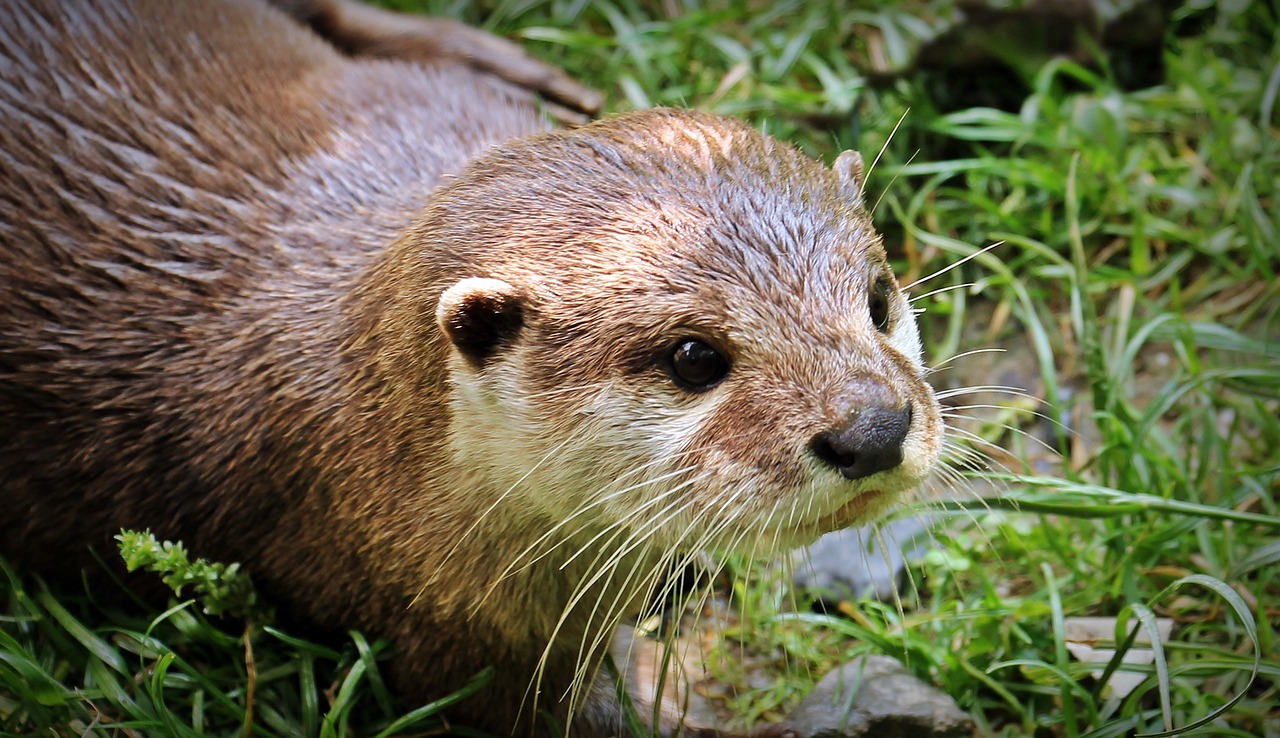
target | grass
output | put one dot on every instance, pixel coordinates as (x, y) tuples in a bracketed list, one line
[(1136, 280)]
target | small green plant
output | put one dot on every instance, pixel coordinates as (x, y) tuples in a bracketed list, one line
[(220, 589)]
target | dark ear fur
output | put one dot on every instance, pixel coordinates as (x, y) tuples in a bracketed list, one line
[(480, 316)]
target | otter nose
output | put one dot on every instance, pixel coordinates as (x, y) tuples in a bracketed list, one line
[(870, 441)]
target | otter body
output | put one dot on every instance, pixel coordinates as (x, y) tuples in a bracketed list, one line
[(424, 367)]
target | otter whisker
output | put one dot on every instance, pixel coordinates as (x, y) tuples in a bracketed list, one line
[(694, 601), (698, 544), (977, 388), (965, 450), (971, 515), (524, 560), (972, 454), (602, 619), (952, 265), (966, 455), (606, 566), (941, 290), (639, 583), (682, 561), (953, 412), (480, 518), (938, 366), (1011, 429), (624, 592), (599, 501), (882, 543), (625, 522), (883, 148), (631, 513)]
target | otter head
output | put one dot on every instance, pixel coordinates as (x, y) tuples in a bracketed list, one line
[(671, 326)]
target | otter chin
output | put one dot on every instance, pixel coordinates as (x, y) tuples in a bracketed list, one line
[(424, 366)]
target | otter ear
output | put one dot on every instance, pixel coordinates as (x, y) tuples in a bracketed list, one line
[(848, 167), (480, 316)]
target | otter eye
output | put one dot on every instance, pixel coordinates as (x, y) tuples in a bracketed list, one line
[(695, 366), (878, 304)]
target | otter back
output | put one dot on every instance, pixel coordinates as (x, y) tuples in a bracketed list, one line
[(163, 166)]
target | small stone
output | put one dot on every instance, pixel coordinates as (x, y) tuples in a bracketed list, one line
[(874, 696), (852, 564)]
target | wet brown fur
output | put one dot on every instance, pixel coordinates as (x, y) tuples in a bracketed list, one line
[(224, 245)]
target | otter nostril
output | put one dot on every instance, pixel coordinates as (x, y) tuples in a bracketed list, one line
[(869, 442), (824, 447)]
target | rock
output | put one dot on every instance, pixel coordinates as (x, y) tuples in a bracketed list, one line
[(992, 51), (874, 696), (851, 564)]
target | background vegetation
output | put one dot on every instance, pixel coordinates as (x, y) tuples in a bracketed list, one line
[(1134, 287)]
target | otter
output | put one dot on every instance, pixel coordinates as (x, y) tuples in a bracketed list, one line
[(426, 365)]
